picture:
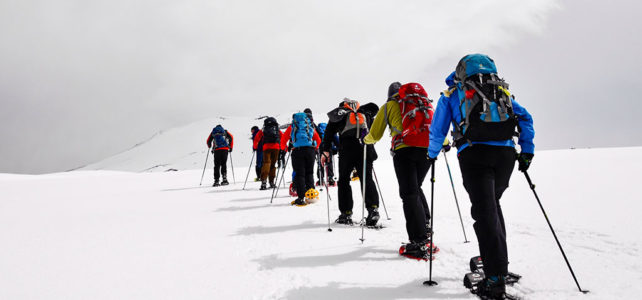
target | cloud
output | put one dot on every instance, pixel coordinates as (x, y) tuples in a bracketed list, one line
[(84, 79)]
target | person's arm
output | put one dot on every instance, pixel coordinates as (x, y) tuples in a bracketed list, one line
[(317, 140), (439, 126), (231, 138), (330, 131), (378, 126), (209, 141), (527, 132), (286, 137), (257, 139)]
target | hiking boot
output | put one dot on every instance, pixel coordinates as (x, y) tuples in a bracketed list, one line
[(299, 202), (417, 250), (224, 182), (216, 183), (257, 179), (345, 218), (492, 287), (318, 183), (263, 186), (331, 182), (373, 217), (272, 185)]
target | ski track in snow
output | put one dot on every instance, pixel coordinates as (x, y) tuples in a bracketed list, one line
[(119, 235)]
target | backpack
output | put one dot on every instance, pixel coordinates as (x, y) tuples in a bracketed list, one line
[(416, 116), (302, 131), (355, 121), (484, 102), (321, 129), (220, 137), (271, 133)]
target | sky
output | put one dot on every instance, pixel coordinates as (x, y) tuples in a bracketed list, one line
[(83, 80)]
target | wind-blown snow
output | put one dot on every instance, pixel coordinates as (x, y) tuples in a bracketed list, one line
[(120, 235)]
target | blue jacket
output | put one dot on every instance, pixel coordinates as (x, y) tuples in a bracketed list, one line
[(448, 111)]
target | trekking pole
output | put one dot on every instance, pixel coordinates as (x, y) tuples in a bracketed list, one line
[(363, 194), (532, 186), (430, 282), (207, 156), (455, 194), (275, 190), (232, 164), (248, 169), (380, 194)]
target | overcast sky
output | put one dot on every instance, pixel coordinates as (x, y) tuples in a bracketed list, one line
[(82, 79)]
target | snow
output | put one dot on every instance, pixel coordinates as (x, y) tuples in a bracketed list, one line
[(106, 234)]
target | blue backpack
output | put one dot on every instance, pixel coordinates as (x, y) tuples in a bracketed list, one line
[(220, 137), (302, 131), (321, 127), (484, 101)]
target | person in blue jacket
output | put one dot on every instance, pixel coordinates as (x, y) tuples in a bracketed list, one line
[(486, 166)]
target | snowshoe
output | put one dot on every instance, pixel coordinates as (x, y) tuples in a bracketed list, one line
[(311, 196), (263, 186), (418, 251), (299, 202), (292, 190), (216, 183), (344, 218), (493, 287), (318, 183), (331, 182)]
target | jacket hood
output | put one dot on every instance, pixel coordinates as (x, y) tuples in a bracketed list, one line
[(450, 80)]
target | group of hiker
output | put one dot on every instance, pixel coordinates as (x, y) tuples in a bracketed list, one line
[(486, 120)]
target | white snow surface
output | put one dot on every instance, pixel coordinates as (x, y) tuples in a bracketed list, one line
[(104, 234)]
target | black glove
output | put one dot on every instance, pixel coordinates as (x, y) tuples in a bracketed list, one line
[(230, 150), (524, 160), (431, 161), (446, 148)]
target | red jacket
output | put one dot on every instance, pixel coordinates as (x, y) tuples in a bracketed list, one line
[(288, 132), (259, 136), (228, 136)]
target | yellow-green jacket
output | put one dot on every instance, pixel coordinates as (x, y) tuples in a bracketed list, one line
[(388, 115)]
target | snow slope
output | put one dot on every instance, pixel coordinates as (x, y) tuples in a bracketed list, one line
[(121, 235)]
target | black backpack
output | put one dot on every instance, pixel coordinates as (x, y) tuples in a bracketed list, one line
[(271, 133)]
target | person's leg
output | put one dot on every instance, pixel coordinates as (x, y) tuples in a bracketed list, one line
[(259, 163), (423, 166), (344, 191), (330, 169), (217, 165), (274, 157), (298, 164), (310, 154), (223, 163), (476, 164), (406, 171), (267, 162), (372, 196)]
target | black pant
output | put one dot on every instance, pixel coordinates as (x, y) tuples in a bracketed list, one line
[(411, 167), (486, 171), (303, 165), (350, 158), (259, 163), (327, 168), (220, 164)]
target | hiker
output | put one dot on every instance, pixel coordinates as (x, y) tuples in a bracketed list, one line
[(351, 121), (484, 117), (221, 142), (270, 137), (259, 153), (305, 142), (329, 167), (408, 113)]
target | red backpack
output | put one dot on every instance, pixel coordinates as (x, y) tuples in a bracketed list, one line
[(416, 113)]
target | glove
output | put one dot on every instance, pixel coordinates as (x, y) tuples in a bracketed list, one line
[(524, 160), (230, 150), (290, 147), (446, 148), (431, 161), (325, 158)]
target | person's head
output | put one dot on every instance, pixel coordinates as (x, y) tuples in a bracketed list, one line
[(308, 112), (393, 88), (254, 129)]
